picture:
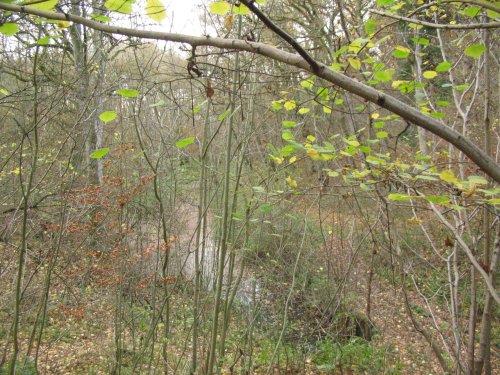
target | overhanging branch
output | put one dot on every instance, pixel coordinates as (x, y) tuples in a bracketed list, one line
[(446, 26), (478, 156), (282, 34), (481, 3)]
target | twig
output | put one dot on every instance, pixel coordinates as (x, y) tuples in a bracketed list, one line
[(487, 25), (283, 34)]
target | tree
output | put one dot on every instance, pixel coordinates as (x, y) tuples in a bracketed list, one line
[(304, 61), (366, 162)]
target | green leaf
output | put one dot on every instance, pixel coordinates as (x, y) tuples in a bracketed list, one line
[(199, 107), (120, 6), (443, 67), (224, 115), (100, 153), (472, 11), (128, 93), (426, 177), (382, 134), (100, 17), (322, 91), (43, 5), (266, 208), (184, 142), (220, 7), (303, 110), (107, 116), (287, 135), (333, 173), (276, 105), (289, 124), (385, 3), (421, 41), (370, 26), (475, 50), (461, 87), (241, 9), (307, 84), (9, 28), (478, 180), (401, 52), (384, 75), (374, 160), (443, 103), (437, 198), (492, 13), (493, 201), (399, 197), (44, 41), (155, 10), (421, 157), (365, 187), (437, 115), (352, 142)]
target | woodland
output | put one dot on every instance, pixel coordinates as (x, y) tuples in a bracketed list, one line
[(306, 187)]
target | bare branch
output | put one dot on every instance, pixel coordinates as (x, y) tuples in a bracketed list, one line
[(481, 3), (468, 251), (487, 25), (283, 34), (476, 154)]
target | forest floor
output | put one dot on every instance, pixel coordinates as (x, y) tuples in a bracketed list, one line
[(79, 338)]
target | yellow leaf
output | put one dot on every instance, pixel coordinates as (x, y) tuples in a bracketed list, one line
[(120, 6), (220, 7), (41, 5), (313, 154), (396, 84), (415, 220), (63, 24), (375, 115), (429, 74), (402, 49), (291, 181), (447, 176), (292, 160), (471, 191), (228, 22), (289, 105), (155, 10), (355, 63), (277, 160)]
